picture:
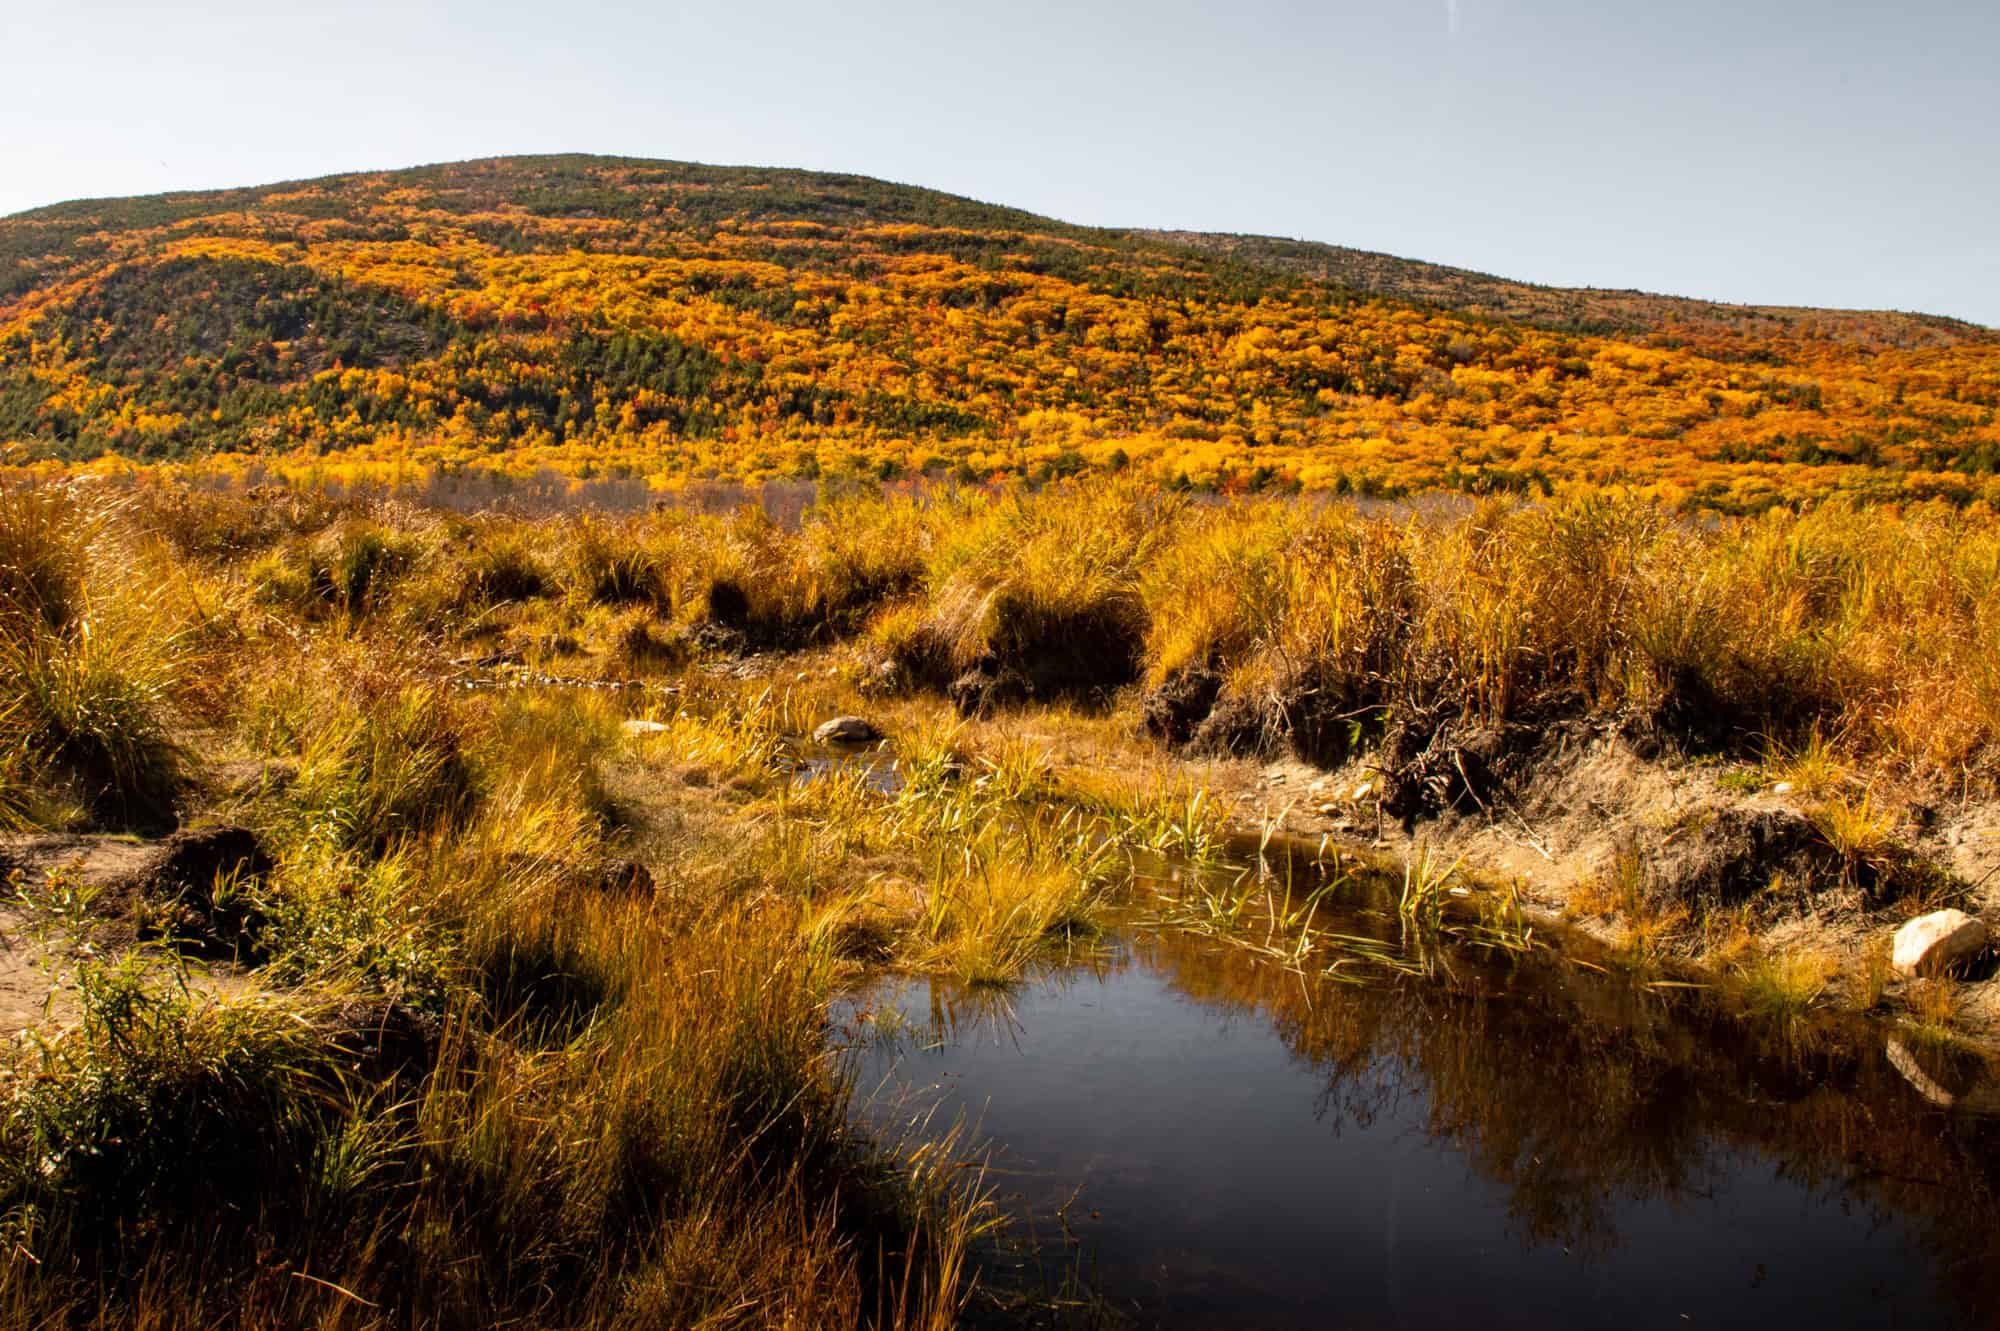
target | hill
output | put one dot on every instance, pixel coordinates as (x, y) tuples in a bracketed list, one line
[(1575, 309), (609, 315)]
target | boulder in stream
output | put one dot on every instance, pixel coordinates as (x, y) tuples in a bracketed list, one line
[(847, 730)]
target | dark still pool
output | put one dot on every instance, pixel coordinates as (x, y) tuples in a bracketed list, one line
[(1200, 1139)]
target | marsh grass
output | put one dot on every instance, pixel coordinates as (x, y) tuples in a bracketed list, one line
[(89, 663), (1826, 644), (467, 1082), (46, 540), (1647, 929), (1812, 768), (1933, 1002), (1861, 834), (91, 707), (1786, 983), (474, 1080), (1427, 882), (1036, 597), (1877, 969)]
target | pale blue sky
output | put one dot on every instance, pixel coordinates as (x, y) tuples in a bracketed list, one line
[(1759, 150)]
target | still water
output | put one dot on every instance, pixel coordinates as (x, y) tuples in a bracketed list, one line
[(1205, 1139)]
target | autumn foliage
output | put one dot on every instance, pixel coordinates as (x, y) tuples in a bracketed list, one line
[(605, 316)]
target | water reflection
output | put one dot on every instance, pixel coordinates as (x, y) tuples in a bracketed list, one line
[(1508, 1143)]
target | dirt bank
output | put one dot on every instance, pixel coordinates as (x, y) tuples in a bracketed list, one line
[(1701, 863)]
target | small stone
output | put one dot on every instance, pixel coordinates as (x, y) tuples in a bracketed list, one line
[(1364, 790), (635, 729), (1329, 809), (1934, 943), (1782, 788), (847, 730)]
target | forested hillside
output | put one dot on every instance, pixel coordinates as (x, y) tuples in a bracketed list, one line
[(608, 316)]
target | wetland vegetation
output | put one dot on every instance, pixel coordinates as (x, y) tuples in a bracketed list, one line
[(501, 967)]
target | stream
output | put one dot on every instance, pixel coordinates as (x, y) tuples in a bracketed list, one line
[(1186, 1133)]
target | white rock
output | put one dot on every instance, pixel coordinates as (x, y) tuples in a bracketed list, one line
[(1364, 790), (635, 729), (1934, 943), (1782, 788)]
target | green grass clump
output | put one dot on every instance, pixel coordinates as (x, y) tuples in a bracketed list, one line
[(45, 543), (348, 569), (89, 708), (386, 768), (88, 667), (162, 1104)]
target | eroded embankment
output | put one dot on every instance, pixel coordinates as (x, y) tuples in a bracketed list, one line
[(1724, 867)]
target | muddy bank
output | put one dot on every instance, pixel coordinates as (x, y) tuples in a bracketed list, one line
[(1702, 862)]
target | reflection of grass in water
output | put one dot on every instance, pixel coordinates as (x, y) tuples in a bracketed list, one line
[(1031, 1262), (1287, 921)]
